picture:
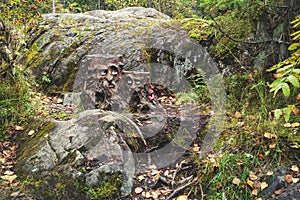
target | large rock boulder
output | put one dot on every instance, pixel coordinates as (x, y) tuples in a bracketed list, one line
[(88, 151)]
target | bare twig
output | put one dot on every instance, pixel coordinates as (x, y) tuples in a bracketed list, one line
[(178, 190)]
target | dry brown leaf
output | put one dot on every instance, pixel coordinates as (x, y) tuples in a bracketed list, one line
[(298, 98), (254, 192), (280, 191), (289, 178), (252, 176), (260, 156), (134, 135), (9, 178), (19, 128), (138, 190), (236, 181), (295, 168), (182, 197), (263, 185), (269, 135), (257, 184), (272, 145), (237, 114)]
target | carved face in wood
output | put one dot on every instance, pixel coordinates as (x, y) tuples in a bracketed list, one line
[(135, 80), (110, 74)]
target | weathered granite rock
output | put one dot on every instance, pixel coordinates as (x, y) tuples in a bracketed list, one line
[(91, 148)]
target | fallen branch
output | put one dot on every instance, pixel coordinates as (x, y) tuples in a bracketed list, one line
[(178, 190)]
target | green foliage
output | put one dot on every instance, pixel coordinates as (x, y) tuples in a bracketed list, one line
[(174, 8), (15, 102), (288, 74), (109, 189), (18, 19)]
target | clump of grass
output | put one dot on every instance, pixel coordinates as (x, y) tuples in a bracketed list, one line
[(252, 139), (15, 101)]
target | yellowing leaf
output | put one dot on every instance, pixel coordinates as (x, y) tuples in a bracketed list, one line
[(236, 181), (263, 185), (9, 178), (140, 178), (250, 183), (295, 124)]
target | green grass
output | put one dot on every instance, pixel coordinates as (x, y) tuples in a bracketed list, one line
[(251, 141)]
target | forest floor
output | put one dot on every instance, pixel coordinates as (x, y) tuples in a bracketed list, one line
[(252, 161)]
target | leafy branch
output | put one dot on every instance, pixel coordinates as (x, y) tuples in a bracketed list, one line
[(288, 73)]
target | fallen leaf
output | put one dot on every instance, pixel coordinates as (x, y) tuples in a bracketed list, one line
[(270, 173), (154, 195), (263, 185), (8, 172), (280, 191), (296, 180), (295, 168), (254, 192), (31, 132), (260, 156), (182, 197), (250, 183), (272, 145), (236, 181), (295, 124), (148, 195), (252, 176), (138, 190), (287, 125), (289, 178), (237, 114), (298, 98), (141, 177), (269, 135), (15, 194), (9, 178), (134, 135), (257, 184), (19, 128)]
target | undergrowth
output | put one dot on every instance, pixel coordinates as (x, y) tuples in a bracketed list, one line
[(15, 101), (252, 141)]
